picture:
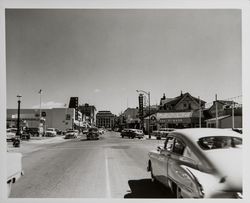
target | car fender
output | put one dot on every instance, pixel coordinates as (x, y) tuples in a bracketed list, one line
[(207, 182)]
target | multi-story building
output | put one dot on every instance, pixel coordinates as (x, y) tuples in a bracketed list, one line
[(105, 119), (183, 111), (88, 113)]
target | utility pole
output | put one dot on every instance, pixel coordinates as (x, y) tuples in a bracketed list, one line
[(233, 115), (199, 112), (149, 135), (216, 111)]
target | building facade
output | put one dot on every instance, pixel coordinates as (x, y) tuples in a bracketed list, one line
[(60, 118), (88, 113), (105, 119), (184, 111), (224, 114)]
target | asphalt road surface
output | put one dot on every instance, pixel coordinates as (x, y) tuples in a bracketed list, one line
[(112, 167)]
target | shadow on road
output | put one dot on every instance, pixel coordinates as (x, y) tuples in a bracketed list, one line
[(145, 188)]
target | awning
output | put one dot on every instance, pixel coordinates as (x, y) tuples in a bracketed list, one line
[(218, 118)]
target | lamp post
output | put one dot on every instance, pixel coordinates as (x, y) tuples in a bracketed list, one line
[(18, 115), (40, 111), (148, 94)]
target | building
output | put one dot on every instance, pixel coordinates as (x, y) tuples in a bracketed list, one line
[(60, 118), (105, 119), (131, 118), (227, 114), (88, 113), (183, 111)]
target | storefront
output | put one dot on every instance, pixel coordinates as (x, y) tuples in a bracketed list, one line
[(173, 120)]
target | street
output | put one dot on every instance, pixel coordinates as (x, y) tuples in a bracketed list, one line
[(111, 167)]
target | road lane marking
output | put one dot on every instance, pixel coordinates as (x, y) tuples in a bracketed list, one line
[(108, 191)]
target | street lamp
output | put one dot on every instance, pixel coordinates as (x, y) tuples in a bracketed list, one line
[(40, 111), (18, 115), (148, 94)]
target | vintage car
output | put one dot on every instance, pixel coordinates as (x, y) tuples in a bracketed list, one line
[(199, 163), (132, 133), (71, 134), (33, 131), (11, 134), (93, 134), (50, 132), (162, 133)]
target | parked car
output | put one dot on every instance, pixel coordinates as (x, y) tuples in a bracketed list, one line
[(132, 133), (93, 134), (162, 132), (101, 130), (11, 134), (200, 163), (33, 131), (14, 169), (25, 135), (71, 134), (51, 132), (58, 132)]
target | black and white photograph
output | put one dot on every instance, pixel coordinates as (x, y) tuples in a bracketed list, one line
[(124, 103)]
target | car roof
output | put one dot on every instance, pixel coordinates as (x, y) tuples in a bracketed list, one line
[(195, 134)]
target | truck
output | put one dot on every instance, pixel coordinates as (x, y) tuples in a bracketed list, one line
[(14, 169)]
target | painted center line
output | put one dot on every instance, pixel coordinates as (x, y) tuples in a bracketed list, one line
[(108, 191)]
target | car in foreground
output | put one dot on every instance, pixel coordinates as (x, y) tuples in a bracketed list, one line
[(132, 133), (71, 134), (93, 134), (14, 169), (50, 132), (199, 163)]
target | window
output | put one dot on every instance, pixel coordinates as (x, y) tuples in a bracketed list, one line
[(184, 105), (219, 142), (178, 147), (169, 143)]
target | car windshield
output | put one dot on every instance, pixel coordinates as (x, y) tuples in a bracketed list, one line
[(50, 129), (219, 142)]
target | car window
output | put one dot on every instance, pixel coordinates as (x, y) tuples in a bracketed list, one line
[(169, 143), (178, 147), (219, 142)]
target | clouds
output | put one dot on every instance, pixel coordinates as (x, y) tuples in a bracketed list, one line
[(50, 105)]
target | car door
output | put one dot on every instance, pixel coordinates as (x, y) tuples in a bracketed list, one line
[(163, 159), (177, 172)]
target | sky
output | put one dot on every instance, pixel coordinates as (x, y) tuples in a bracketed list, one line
[(104, 56)]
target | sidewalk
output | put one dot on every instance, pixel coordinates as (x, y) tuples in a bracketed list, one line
[(34, 144)]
